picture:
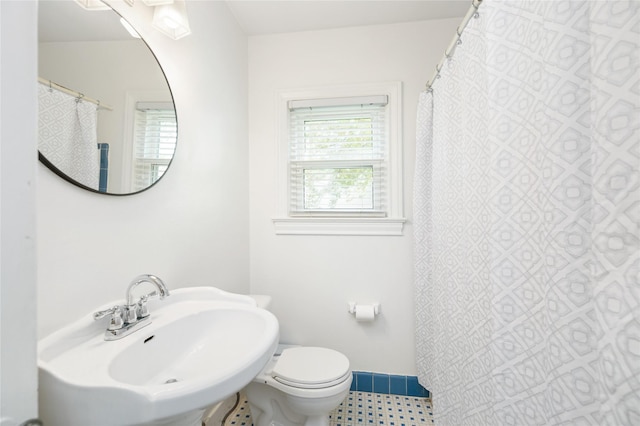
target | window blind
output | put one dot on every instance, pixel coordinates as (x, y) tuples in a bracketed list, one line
[(337, 156), (155, 141)]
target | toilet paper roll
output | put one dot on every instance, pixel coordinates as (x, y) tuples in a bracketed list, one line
[(365, 313)]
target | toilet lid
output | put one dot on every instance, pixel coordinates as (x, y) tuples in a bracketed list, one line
[(309, 366)]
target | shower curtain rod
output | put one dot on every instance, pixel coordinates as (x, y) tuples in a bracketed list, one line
[(448, 53), (71, 92)]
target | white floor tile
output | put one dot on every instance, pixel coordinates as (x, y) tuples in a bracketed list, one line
[(361, 408)]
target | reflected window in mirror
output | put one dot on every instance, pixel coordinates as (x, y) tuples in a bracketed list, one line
[(154, 142)]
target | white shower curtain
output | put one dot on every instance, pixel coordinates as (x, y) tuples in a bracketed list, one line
[(527, 218), (68, 135)]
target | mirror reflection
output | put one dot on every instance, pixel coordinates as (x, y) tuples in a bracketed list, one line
[(107, 119)]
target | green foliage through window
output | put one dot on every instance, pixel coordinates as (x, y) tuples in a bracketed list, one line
[(338, 188)]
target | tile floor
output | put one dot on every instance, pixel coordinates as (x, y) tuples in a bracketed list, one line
[(361, 408)]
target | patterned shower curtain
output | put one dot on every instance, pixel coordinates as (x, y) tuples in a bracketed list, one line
[(527, 218), (67, 132)]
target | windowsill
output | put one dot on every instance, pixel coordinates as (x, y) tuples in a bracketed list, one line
[(338, 226)]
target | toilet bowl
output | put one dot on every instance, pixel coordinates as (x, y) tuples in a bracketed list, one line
[(299, 386)]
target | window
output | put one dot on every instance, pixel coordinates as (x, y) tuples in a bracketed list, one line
[(154, 142), (337, 157), (340, 162)]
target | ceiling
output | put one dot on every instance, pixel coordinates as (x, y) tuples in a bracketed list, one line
[(66, 21), (270, 16)]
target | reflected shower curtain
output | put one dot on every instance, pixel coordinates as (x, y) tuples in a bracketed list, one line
[(68, 135), (527, 216)]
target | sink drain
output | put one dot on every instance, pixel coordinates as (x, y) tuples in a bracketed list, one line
[(171, 381)]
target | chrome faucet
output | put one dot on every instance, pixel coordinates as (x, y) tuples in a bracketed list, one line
[(138, 310), (133, 315)]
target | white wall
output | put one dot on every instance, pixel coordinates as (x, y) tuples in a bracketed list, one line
[(311, 278), (191, 228), (18, 131)]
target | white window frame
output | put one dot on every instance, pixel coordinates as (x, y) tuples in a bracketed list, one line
[(393, 222), (127, 175), (151, 166)]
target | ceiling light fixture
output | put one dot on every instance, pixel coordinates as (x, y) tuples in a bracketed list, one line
[(156, 2), (93, 5), (172, 20), (99, 4)]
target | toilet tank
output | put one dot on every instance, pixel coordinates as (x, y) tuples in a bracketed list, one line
[(263, 300)]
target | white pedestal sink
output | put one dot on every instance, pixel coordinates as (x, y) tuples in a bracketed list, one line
[(202, 345)]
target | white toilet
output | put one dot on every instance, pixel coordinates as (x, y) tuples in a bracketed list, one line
[(299, 386)]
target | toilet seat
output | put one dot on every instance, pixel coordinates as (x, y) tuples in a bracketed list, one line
[(311, 368)]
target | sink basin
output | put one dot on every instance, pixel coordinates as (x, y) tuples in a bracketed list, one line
[(203, 345)]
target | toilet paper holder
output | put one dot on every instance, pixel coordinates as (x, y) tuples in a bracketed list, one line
[(352, 307)]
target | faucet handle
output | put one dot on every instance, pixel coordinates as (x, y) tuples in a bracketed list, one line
[(143, 310), (116, 319), (148, 296), (116, 322), (101, 314)]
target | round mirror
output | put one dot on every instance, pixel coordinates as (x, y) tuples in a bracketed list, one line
[(107, 120)]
